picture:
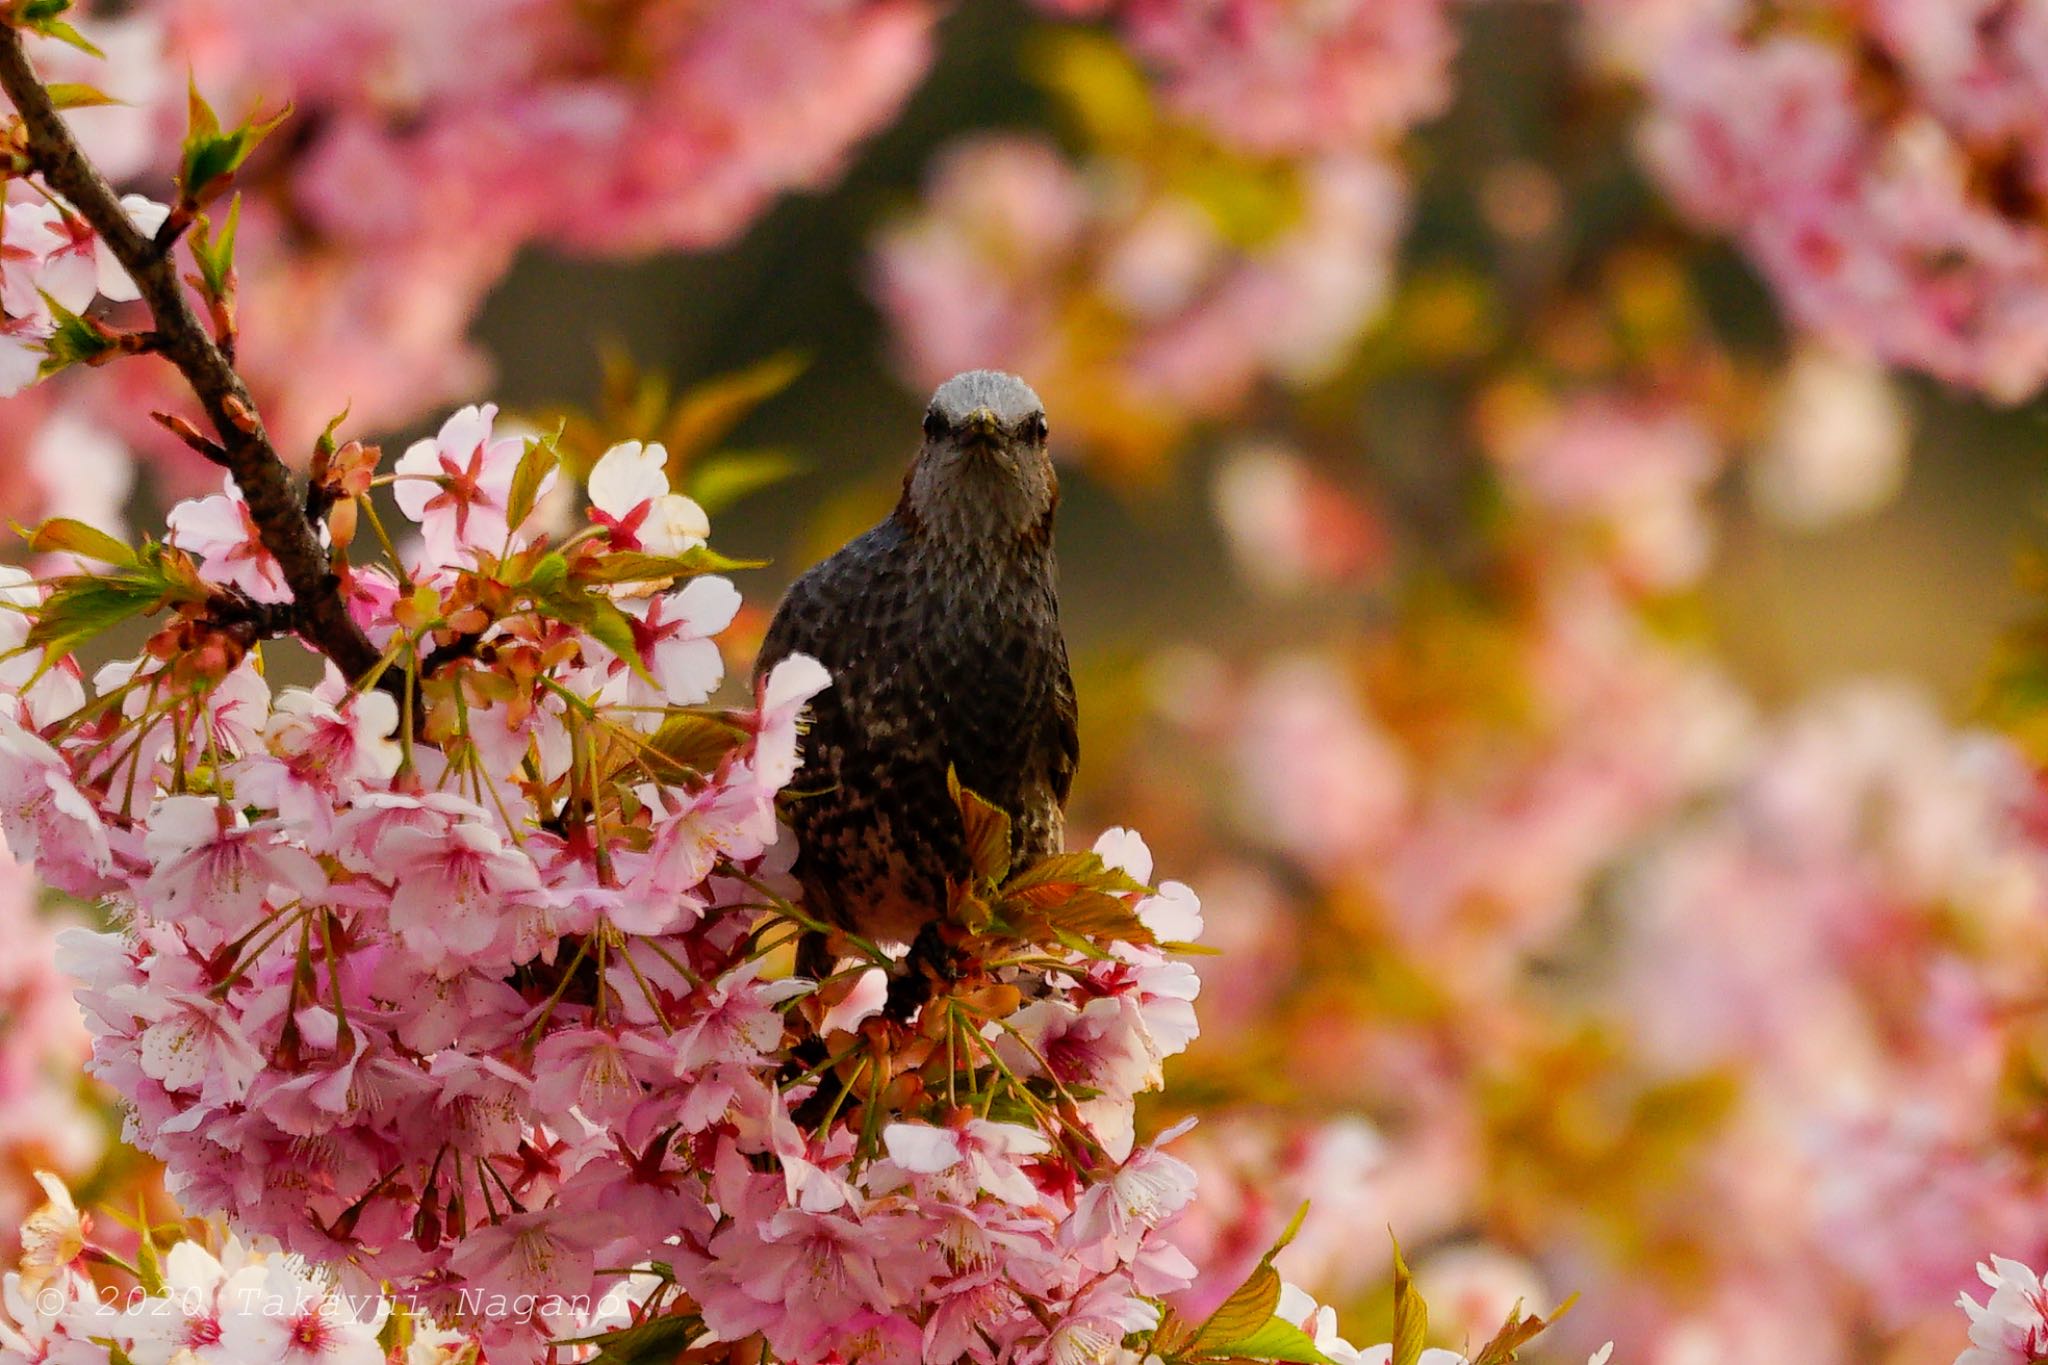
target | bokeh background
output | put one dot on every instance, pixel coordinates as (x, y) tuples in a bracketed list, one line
[(1550, 502)]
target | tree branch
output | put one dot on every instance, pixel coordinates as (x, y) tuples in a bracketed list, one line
[(320, 616)]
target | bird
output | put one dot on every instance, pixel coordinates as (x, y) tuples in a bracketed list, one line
[(941, 630)]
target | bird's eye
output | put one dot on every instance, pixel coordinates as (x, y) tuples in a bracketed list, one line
[(933, 423), (1038, 426)]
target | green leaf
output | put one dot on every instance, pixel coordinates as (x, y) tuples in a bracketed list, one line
[(1095, 915), (62, 535), (970, 911), (324, 443), (1244, 1313), (539, 460), (634, 566), (718, 481), (81, 609), (614, 630), (216, 259), (1076, 895), (1278, 1340), (73, 95), (1083, 946), (1411, 1314), (211, 154), (76, 341), (1290, 1232), (548, 575), (648, 1343), (987, 830), (200, 120), (45, 17), (694, 743), (149, 1269)]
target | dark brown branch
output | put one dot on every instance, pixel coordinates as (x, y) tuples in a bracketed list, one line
[(320, 614)]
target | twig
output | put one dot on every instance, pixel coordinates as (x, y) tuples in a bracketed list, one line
[(463, 646), (320, 615)]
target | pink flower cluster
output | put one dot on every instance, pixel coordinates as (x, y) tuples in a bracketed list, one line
[(1125, 297), (1884, 166), (235, 1308), (51, 261), (1233, 224), (2011, 1326), (1625, 473), (1279, 79), (46, 1118), (545, 120), (1580, 919), (243, 1306), (429, 144), (470, 990), (1856, 928)]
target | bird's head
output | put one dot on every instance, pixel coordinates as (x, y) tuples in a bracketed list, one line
[(983, 472)]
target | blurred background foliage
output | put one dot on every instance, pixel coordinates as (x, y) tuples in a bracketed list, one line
[(1920, 587)]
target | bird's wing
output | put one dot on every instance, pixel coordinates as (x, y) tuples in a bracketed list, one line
[(1065, 723), (794, 629)]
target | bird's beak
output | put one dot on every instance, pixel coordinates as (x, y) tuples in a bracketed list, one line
[(983, 427)]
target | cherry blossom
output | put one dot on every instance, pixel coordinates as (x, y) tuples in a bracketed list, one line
[(1277, 78), (211, 869), (1857, 160), (1012, 242), (630, 498), (457, 485), (49, 259), (541, 134), (47, 820), (983, 1154), (220, 531), (2011, 1326)]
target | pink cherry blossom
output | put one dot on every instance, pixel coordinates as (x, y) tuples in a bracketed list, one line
[(673, 634), (457, 485), (220, 531), (630, 498), (1276, 78), (296, 1327), (784, 692), (47, 820), (1011, 240), (216, 874), (2011, 1326), (456, 887), (49, 257), (979, 1156), (1631, 472), (1852, 158), (320, 751)]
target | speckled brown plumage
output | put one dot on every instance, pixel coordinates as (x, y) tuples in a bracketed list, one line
[(941, 628)]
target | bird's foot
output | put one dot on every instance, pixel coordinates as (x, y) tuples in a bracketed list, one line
[(930, 961)]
